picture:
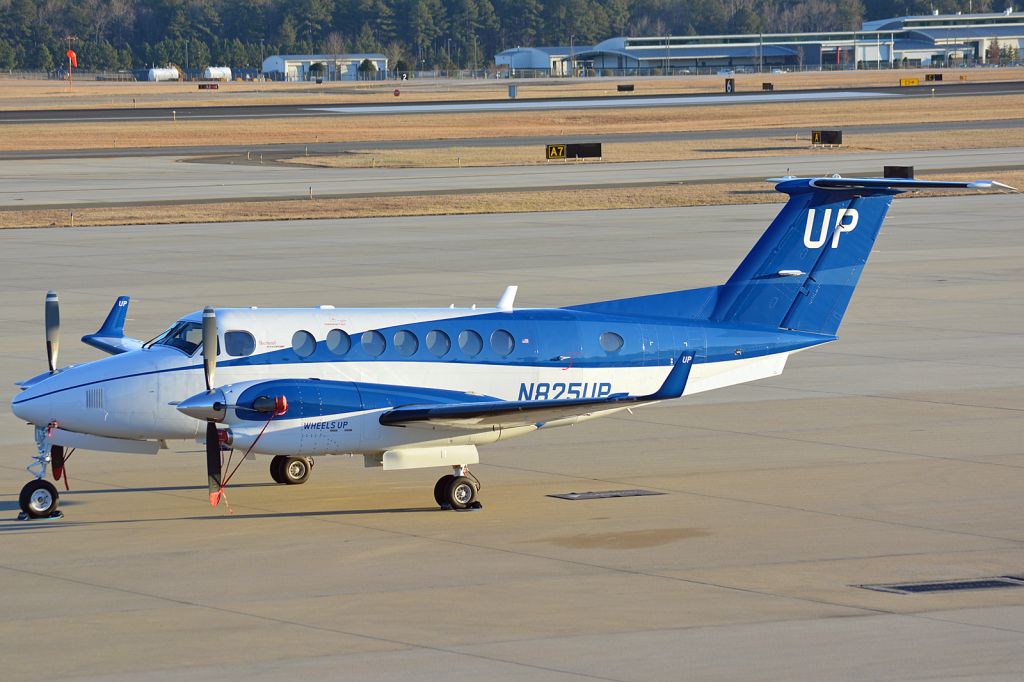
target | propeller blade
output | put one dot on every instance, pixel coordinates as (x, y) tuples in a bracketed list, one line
[(52, 316), (213, 471), (209, 345)]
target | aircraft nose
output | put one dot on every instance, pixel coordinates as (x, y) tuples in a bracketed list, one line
[(33, 405)]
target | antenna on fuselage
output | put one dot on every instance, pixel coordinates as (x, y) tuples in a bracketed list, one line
[(508, 298)]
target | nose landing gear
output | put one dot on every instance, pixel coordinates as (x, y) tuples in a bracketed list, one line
[(457, 491), (39, 498)]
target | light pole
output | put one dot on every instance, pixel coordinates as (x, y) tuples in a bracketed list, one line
[(572, 56), (186, 57)]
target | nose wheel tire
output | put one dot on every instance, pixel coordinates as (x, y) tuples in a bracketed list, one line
[(39, 499)]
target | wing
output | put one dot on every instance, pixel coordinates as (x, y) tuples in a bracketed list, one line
[(508, 414), (110, 337)]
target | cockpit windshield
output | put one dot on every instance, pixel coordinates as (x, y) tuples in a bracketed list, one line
[(185, 336)]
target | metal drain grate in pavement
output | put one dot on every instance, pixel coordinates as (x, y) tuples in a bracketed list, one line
[(602, 494), (950, 585)]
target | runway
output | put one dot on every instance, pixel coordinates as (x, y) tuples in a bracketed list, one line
[(98, 182), (599, 103), (893, 455), (230, 112)]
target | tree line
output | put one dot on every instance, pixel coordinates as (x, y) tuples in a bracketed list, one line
[(422, 34)]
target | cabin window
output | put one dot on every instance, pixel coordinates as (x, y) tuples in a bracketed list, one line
[(438, 342), (406, 342), (239, 343), (338, 342), (303, 343), (611, 342), (470, 342), (502, 343), (373, 343)]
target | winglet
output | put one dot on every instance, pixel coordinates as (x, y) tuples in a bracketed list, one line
[(110, 336), (508, 298)]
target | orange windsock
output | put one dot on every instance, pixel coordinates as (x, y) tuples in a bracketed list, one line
[(73, 57)]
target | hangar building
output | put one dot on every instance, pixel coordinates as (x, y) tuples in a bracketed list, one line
[(335, 67), (932, 40)]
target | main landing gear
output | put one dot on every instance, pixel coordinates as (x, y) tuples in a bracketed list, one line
[(290, 470), (457, 491), (39, 498)]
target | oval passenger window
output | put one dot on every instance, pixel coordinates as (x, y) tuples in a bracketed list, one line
[(338, 342), (502, 343), (611, 342), (303, 343), (470, 342), (438, 342), (406, 342), (373, 343)]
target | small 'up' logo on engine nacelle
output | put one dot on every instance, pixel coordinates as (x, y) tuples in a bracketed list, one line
[(846, 221)]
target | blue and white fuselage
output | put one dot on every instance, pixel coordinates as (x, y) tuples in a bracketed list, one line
[(357, 363)]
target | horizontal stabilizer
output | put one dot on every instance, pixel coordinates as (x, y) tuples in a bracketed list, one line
[(903, 184)]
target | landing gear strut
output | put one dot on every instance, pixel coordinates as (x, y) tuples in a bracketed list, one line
[(290, 470), (457, 491), (39, 498)]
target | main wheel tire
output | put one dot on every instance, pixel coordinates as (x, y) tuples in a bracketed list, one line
[(441, 490), (277, 469), (39, 499), (295, 470), (461, 493)]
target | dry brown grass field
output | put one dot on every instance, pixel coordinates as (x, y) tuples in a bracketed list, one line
[(106, 134), (665, 196), (87, 94)]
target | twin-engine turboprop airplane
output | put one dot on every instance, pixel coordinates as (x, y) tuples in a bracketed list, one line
[(424, 388)]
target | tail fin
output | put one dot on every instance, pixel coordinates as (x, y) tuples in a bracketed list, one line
[(802, 272)]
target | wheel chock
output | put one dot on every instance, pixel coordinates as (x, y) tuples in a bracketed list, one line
[(55, 516)]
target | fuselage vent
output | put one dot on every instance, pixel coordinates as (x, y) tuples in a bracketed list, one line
[(94, 398)]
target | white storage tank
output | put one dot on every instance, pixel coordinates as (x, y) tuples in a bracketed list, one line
[(166, 73), (217, 73)]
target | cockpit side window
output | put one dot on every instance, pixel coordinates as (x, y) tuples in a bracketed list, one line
[(184, 336)]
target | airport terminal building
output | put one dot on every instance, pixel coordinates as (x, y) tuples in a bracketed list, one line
[(933, 40)]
